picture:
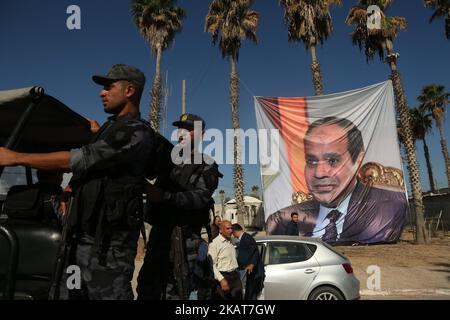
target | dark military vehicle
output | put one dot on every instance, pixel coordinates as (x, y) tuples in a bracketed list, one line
[(31, 121)]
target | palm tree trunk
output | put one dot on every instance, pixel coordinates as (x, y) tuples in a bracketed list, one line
[(156, 94), (429, 169), (222, 205), (444, 150), (317, 76), (413, 166), (238, 170)]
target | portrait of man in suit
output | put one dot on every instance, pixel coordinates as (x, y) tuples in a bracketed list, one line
[(342, 209)]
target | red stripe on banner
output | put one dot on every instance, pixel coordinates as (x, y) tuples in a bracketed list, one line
[(270, 108), (294, 125), (289, 115)]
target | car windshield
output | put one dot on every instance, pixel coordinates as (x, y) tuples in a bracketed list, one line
[(12, 176)]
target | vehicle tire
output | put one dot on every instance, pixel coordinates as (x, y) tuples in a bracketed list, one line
[(326, 293)]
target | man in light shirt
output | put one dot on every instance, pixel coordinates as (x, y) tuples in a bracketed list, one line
[(223, 255)]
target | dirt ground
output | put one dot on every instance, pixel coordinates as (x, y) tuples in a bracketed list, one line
[(404, 265)]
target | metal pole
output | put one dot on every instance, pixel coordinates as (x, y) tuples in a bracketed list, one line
[(63, 251), (184, 98), (222, 203), (10, 280), (29, 175)]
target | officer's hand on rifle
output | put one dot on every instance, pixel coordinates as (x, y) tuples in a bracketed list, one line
[(154, 194), (224, 285)]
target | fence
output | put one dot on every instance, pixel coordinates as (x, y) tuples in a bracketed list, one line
[(436, 213)]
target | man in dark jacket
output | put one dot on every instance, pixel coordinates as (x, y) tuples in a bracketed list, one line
[(178, 211), (107, 184), (292, 228), (250, 261)]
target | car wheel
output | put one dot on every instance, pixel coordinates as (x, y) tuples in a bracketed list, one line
[(326, 293)]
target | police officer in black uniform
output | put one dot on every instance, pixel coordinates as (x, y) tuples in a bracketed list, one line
[(178, 210), (108, 183)]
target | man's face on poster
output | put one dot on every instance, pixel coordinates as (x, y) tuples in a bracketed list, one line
[(330, 171)]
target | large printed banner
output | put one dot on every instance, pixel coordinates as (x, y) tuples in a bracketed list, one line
[(335, 171)]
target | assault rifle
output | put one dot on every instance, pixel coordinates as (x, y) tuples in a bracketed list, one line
[(63, 252)]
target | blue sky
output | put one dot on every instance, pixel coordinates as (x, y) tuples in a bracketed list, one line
[(38, 49)]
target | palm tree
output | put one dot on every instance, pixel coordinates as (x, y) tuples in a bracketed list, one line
[(309, 21), (222, 202), (442, 8), (381, 41), (434, 100), (230, 22), (421, 125), (158, 21)]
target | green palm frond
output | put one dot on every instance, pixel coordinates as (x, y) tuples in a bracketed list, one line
[(421, 123), (158, 21), (308, 21), (230, 22), (441, 9), (434, 99), (374, 41)]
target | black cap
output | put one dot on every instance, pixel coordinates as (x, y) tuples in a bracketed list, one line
[(187, 121), (121, 72)]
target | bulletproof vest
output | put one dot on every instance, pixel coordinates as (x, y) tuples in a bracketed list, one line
[(166, 214), (196, 217), (109, 198)]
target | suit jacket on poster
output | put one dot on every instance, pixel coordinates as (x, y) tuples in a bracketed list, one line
[(373, 215)]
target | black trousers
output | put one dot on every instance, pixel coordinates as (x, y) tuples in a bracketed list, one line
[(104, 276), (158, 270), (235, 284), (253, 286), (153, 276)]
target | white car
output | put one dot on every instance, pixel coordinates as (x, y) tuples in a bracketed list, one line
[(305, 269)]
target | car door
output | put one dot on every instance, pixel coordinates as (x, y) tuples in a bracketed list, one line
[(290, 269)]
